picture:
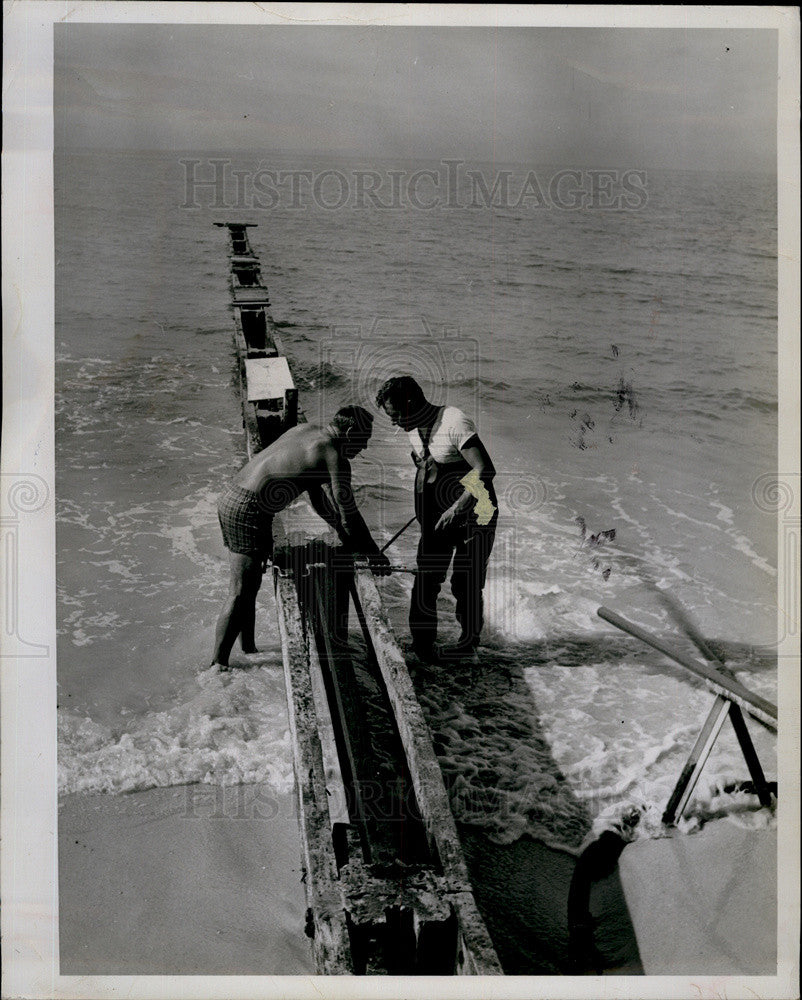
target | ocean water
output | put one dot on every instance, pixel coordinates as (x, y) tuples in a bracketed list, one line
[(621, 367)]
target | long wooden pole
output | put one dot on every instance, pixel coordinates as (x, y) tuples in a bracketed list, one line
[(750, 756), (697, 760), (719, 683)]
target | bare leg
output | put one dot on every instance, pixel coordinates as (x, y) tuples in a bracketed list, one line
[(248, 616), (248, 626), (239, 610)]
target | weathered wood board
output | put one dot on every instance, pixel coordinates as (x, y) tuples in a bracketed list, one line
[(267, 378)]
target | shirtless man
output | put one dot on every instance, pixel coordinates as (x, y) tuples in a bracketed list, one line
[(306, 459), (456, 506)]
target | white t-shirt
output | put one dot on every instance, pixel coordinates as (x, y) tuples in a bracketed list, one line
[(450, 432)]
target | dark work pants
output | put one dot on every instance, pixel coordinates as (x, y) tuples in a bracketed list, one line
[(470, 546)]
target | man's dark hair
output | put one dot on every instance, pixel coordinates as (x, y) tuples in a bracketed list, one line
[(352, 420), (400, 391)]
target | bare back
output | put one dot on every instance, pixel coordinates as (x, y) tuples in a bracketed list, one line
[(285, 469)]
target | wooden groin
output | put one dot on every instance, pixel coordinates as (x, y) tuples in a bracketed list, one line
[(386, 883), (268, 393)]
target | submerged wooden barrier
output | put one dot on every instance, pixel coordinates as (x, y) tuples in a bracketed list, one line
[(386, 883), (268, 393), (731, 698)]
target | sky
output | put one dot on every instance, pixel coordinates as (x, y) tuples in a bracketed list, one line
[(658, 97)]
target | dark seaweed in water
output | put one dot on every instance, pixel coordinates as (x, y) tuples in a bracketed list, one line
[(624, 400), (586, 423), (625, 396), (595, 541), (602, 536)]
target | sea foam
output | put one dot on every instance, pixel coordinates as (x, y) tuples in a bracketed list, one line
[(232, 729)]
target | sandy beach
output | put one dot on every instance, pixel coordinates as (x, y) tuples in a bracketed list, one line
[(206, 880), (193, 880), (705, 903)]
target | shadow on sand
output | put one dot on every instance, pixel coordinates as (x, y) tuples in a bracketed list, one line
[(548, 911)]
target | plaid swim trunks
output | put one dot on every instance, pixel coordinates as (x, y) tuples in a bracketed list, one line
[(247, 528)]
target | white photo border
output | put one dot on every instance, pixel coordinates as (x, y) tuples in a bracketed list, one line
[(29, 798)]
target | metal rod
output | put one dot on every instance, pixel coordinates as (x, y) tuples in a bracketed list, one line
[(719, 683), (394, 567), (397, 534)]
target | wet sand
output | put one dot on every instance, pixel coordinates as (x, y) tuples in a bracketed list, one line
[(702, 904), (522, 890)]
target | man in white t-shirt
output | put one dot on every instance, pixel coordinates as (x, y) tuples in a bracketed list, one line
[(456, 506)]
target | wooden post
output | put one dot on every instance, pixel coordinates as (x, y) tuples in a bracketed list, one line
[(330, 941), (697, 760), (750, 756), (427, 778), (717, 682), (342, 691), (290, 408), (476, 953), (336, 793)]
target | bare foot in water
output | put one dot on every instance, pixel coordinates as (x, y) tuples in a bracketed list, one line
[(249, 650), (222, 668)]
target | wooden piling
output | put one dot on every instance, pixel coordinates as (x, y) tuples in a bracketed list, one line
[(479, 956)]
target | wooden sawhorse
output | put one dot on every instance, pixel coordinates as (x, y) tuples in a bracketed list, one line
[(732, 699)]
